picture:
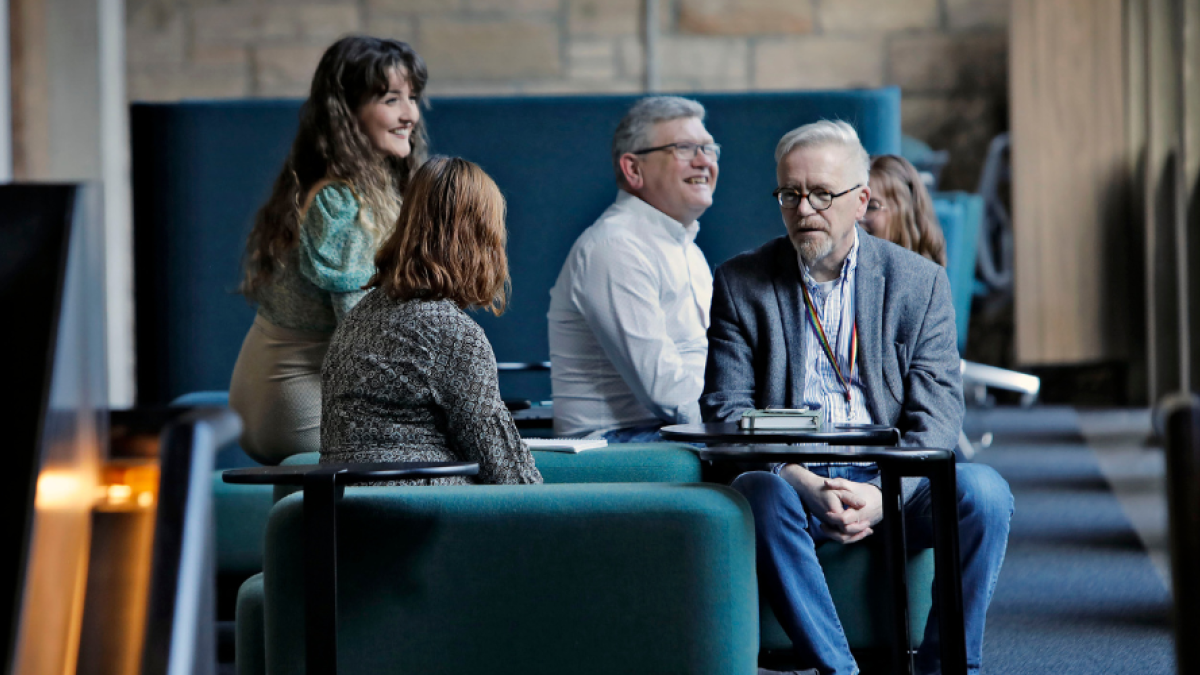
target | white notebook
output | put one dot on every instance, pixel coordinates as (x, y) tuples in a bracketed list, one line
[(565, 444)]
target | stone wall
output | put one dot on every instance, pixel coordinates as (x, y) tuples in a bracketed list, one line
[(948, 56)]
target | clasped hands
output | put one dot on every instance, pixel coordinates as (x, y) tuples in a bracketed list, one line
[(847, 510)]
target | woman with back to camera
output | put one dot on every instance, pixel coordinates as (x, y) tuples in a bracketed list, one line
[(313, 243), (409, 376), (901, 210)]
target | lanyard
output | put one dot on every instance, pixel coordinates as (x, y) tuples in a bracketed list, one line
[(837, 369)]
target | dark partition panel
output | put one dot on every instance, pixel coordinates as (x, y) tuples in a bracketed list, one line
[(200, 171), (51, 284), (33, 236), (202, 168), (1181, 413)]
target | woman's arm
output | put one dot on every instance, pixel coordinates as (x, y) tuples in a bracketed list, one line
[(479, 427), (336, 254)]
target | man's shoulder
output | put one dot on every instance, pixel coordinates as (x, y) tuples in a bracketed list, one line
[(615, 226), (896, 262)]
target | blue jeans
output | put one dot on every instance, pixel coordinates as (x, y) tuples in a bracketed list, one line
[(792, 581), (647, 433)]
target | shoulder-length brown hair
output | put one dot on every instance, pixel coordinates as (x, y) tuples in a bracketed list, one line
[(912, 222), (449, 240), (331, 145)]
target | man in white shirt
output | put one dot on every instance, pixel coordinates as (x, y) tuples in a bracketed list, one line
[(629, 312)]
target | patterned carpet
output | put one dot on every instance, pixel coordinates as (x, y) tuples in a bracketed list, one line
[(1080, 592)]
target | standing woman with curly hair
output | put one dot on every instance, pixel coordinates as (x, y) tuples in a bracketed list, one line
[(901, 210), (313, 243)]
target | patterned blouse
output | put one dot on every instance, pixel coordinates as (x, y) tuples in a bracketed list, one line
[(416, 381), (325, 273)]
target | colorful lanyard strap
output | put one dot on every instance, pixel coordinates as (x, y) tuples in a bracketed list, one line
[(837, 369)]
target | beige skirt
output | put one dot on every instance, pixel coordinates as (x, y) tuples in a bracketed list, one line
[(276, 388)]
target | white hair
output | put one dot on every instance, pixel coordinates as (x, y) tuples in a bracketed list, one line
[(827, 132), (636, 129)]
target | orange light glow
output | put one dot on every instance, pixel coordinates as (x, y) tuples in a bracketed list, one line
[(119, 494), (61, 489), (127, 485)]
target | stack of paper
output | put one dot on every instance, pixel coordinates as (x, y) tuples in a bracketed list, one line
[(565, 444)]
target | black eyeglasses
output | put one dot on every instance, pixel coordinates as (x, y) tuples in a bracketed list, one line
[(687, 151), (818, 198)]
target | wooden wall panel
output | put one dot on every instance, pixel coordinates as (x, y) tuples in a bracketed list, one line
[(1189, 224), (1165, 63), (1071, 182), (30, 90), (1162, 191)]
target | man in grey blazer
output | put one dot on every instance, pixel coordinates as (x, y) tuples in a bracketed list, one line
[(831, 316)]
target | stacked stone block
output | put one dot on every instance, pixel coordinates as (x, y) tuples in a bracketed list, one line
[(948, 56)]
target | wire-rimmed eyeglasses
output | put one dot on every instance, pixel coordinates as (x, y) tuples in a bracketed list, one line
[(687, 151)]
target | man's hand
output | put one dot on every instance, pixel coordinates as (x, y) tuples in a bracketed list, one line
[(847, 510)]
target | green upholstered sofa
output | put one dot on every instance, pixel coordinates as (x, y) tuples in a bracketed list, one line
[(579, 578), (240, 511), (855, 573)]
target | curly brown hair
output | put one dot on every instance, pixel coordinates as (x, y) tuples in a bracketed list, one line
[(330, 145), (912, 222), (449, 240)]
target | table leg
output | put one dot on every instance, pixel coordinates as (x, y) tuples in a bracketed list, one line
[(321, 493), (948, 568), (896, 560)]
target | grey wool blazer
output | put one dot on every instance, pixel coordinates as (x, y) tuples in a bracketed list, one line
[(908, 347)]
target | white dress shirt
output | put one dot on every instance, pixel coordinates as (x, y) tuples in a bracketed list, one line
[(628, 323)]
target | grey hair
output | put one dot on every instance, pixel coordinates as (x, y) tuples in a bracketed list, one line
[(827, 132), (636, 128)]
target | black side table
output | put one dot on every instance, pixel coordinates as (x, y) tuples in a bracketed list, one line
[(895, 463), (730, 432), (323, 485)]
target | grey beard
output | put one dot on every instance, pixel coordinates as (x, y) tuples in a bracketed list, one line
[(812, 251)]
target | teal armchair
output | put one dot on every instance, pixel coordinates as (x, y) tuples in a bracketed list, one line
[(580, 578)]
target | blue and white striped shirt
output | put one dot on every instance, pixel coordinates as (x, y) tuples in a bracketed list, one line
[(834, 303)]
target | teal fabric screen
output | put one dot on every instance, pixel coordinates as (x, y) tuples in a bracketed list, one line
[(960, 215)]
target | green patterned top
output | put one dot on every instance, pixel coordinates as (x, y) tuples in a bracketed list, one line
[(323, 277)]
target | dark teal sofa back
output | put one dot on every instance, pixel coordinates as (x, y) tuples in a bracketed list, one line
[(651, 578), (201, 170)]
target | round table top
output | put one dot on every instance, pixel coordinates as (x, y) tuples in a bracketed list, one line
[(823, 453), (350, 473), (730, 432)]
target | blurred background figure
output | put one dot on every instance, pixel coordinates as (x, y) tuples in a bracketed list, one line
[(901, 210)]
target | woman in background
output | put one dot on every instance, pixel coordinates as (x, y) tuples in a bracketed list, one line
[(313, 243), (409, 376), (901, 210)]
